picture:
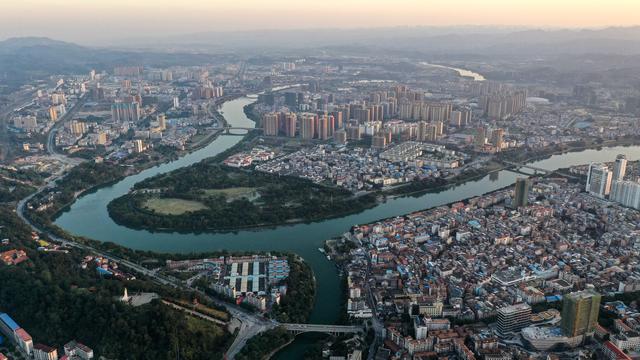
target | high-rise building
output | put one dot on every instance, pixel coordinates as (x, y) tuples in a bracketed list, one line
[(337, 119), (480, 137), (456, 118), (290, 121), (340, 136), (626, 193), (620, 168), (127, 71), (521, 197), (354, 132), (599, 180), (431, 133), (53, 113), (439, 124), (466, 116), (378, 141), (101, 138), (497, 138), (125, 112), (27, 123), (270, 122), (162, 121), (307, 126), (324, 130), (138, 146), (580, 312), (422, 130), (513, 318), (77, 128)]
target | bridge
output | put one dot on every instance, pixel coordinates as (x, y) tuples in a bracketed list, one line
[(327, 329), (526, 166), (227, 129)]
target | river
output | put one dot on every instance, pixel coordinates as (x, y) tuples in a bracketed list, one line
[(88, 217), (462, 72)]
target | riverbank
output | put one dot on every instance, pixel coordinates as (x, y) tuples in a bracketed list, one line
[(570, 148)]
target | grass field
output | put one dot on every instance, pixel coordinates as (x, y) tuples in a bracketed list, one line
[(195, 324), (169, 206), (234, 193)]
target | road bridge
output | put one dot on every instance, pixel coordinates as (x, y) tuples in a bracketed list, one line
[(327, 329), (227, 129), (526, 166)]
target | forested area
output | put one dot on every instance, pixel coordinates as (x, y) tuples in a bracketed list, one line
[(280, 199), (56, 300), (296, 306), (13, 191), (82, 177), (260, 346)]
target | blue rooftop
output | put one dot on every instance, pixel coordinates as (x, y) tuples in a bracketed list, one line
[(474, 223), (7, 320), (103, 272)]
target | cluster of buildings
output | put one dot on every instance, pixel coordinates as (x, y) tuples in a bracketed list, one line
[(614, 185), (245, 159), (256, 280), (46, 246), (348, 119), (13, 257), (146, 102), (47, 107), (105, 267), (363, 169), (491, 258), (73, 350)]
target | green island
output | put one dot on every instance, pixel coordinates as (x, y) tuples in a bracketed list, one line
[(211, 196)]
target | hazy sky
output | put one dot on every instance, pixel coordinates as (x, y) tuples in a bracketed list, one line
[(104, 20)]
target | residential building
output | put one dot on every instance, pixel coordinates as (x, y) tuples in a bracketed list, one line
[(620, 168), (76, 350), (580, 312), (599, 180), (513, 318), (44, 352), (270, 123), (522, 192)]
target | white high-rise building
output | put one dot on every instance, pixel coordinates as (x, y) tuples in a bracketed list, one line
[(599, 180), (626, 193), (620, 168)]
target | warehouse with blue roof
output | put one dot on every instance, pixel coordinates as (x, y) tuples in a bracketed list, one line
[(8, 325)]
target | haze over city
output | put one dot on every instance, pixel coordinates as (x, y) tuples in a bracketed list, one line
[(108, 22)]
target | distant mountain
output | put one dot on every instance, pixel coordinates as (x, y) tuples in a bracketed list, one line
[(32, 57), (17, 44), (427, 40)]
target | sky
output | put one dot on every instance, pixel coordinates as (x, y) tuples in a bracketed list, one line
[(95, 21)]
